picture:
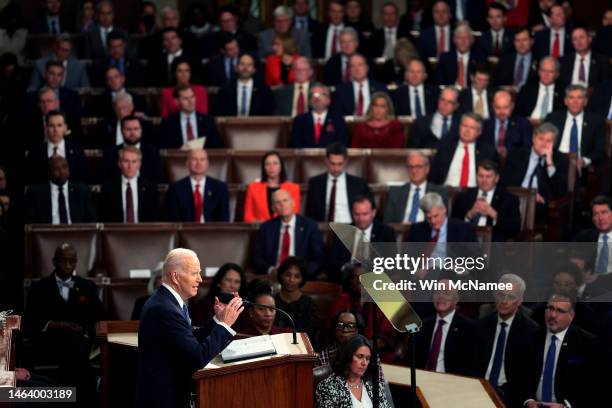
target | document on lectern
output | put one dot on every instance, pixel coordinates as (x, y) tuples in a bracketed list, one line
[(252, 347)]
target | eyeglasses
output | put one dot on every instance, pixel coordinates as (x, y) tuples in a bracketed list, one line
[(319, 94), (551, 308), (346, 326)]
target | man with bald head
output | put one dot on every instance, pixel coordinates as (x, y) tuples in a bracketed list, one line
[(292, 100), (289, 234), (169, 349), (429, 130), (197, 197), (504, 129)]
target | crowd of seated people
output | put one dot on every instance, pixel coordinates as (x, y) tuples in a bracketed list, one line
[(488, 102)]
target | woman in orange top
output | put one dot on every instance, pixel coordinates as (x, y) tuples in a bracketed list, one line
[(279, 64), (182, 76), (258, 201), (381, 129)]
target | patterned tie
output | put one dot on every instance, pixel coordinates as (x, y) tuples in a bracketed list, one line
[(518, 75), (549, 367), (545, 102), (129, 205), (460, 73), (190, 135), (359, 110), (441, 41), (465, 168), (318, 130), (334, 45), (69, 284), (434, 352), (186, 313), (301, 104), (479, 105), (574, 137), (417, 104), (61, 205), (414, 210), (498, 357), (243, 103), (286, 244), (556, 53), (581, 71), (501, 134), (604, 254), (331, 209), (198, 204)]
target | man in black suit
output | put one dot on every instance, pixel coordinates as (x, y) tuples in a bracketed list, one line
[(291, 100), (456, 161), (130, 198), (326, 42), (320, 127), (601, 215), (117, 57), (51, 22), (566, 363), (337, 68), (428, 131), (497, 40), (506, 343), (519, 66), (221, 69), (537, 99), (187, 125), (353, 97), (456, 66), (160, 68), (600, 101), (69, 100), (415, 98), (289, 234), (95, 41), (581, 132), (504, 129), (436, 40), (583, 66), (489, 204), (553, 40), (229, 26), (245, 96), (197, 198), (302, 19), (383, 40), (60, 201), (477, 97), (331, 194)]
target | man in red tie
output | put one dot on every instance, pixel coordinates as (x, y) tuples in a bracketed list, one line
[(337, 68), (292, 100), (554, 40)]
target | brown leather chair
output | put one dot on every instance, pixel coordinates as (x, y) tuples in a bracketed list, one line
[(237, 194), (120, 295), (152, 97), (381, 194), (312, 163), (386, 166), (246, 165), (320, 373), (324, 295), (254, 132), (176, 164), (527, 205)]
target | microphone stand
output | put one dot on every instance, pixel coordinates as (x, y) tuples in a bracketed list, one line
[(282, 312)]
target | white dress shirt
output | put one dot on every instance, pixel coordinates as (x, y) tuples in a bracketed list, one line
[(342, 210), (534, 159), (440, 366), (485, 105), (536, 114), (194, 125), (420, 91), (454, 171), (171, 57), (446, 30), (365, 89), (319, 117), (564, 145), (202, 184), (63, 290), (482, 219), (61, 148), (291, 225), (55, 215), (561, 32), (436, 124), (558, 344), (599, 246), (497, 37), (134, 186), (501, 380), (576, 71), (422, 191), (296, 94), (118, 134), (390, 40), (249, 91), (329, 39), (104, 32)]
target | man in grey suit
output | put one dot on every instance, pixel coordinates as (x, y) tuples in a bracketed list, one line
[(95, 44), (292, 100), (403, 204), (75, 73), (283, 17)]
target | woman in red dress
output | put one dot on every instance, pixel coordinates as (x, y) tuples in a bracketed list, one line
[(182, 76), (279, 64), (381, 129)]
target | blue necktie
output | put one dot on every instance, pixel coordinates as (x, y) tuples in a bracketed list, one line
[(65, 284), (444, 127), (417, 104), (186, 313), (604, 253), (498, 357), (54, 29), (243, 105), (574, 138), (416, 199), (549, 367), (228, 64)]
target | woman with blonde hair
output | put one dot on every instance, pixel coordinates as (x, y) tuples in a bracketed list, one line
[(279, 64), (381, 129)]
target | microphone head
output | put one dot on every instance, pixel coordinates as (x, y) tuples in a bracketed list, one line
[(226, 297)]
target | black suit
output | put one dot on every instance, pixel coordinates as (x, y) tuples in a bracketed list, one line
[(518, 132), (111, 202), (101, 106), (215, 72), (377, 41), (601, 99), (38, 163), (332, 72), (441, 162), (486, 46), (69, 100), (159, 73), (507, 206), (180, 202), (344, 100), (41, 26), (505, 74), (466, 100), (446, 71), (262, 100), (401, 100), (597, 69), (457, 231), (171, 135), (132, 70), (423, 138), (34, 130), (543, 45), (151, 168), (303, 131), (428, 46), (528, 98), (38, 204), (316, 205)]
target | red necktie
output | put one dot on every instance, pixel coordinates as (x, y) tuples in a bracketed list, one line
[(501, 135), (432, 361), (189, 131), (359, 110), (441, 41), (317, 130), (465, 167), (301, 105), (285, 245), (129, 205), (347, 71), (334, 47), (460, 73), (556, 52), (198, 203), (332, 201)]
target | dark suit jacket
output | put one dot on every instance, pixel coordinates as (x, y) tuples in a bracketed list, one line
[(303, 128), (34, 129), (343, 99), (457, 231), (519, 351), (101, 106), (528, 98), (542, 45), (171, 136), (376, 43), (593, 134), (466, 101), (41, 26), (38, 163), (75, 74), (111, 201), (215, 72), (474, 13), (428, 46), (395, 208), (504, 71), (316, 207), (262, 100), (600, 100), (518, 132), (506, 204), (283, 100), (179, 201), (485, 42), (308, 245), (160, 74), (332, 72), (423, 138), (151, 168), (170, 351), (38, 204), (401, 99), (70, 101), (133, 71), (446, 71), (597, 69), (442, 160), (92, 42)]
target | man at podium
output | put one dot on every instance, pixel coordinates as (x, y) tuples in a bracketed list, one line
[(169, 350)]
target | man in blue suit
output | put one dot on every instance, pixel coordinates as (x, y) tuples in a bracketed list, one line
[(436, 40), (289, 234), (170, 351), (504, 129), (197, 197)]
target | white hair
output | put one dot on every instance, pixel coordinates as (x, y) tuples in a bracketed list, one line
[(175, 261), (516, 281)]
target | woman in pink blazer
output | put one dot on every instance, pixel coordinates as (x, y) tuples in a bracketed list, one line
[(182, 76)]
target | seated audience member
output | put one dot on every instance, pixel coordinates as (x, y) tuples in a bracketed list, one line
[(447, 341), (221, 69), (60, 201), (131, 130), (262, 314), (345, 325), (292, 276), (197, 198), (320, 127), (393, 71), (456, 161), (382, 42), (148, 47), (325, 43), (331, 194), (403, 202), (381, 129), (51, 21), (95, 41), (566, 364), (291, 100), (152, 286), (456, 66), (69, 100), (55, 145), (183, 77), (118, 57), (85, 17), (147, 16), (302, 19), (197, 31), (61, 312), (441, 125), (603, 35), (477, 97), (414, 18), (583, 66), (258, 200), (488, 204), (503, 336), (130, 198), (505, 129), (415, 98), (75, 73), (350, 384), (244, 96), (497, 40), (601, 233), (230, 25), (187, 125), (102, 105), (600, 101), (282, 19), (160, 71), (538, 98), (436, 39), (540, 167), (337, 68), (353, 97), (289, 234), (519, 66), (279, 64), (554, 40), (582, 133)]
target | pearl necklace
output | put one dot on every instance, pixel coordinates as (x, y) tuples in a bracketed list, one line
[(354, 387)]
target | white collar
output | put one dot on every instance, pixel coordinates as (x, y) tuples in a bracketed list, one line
[(448, 318), (125, 180), (291, 223), (178, 298)]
